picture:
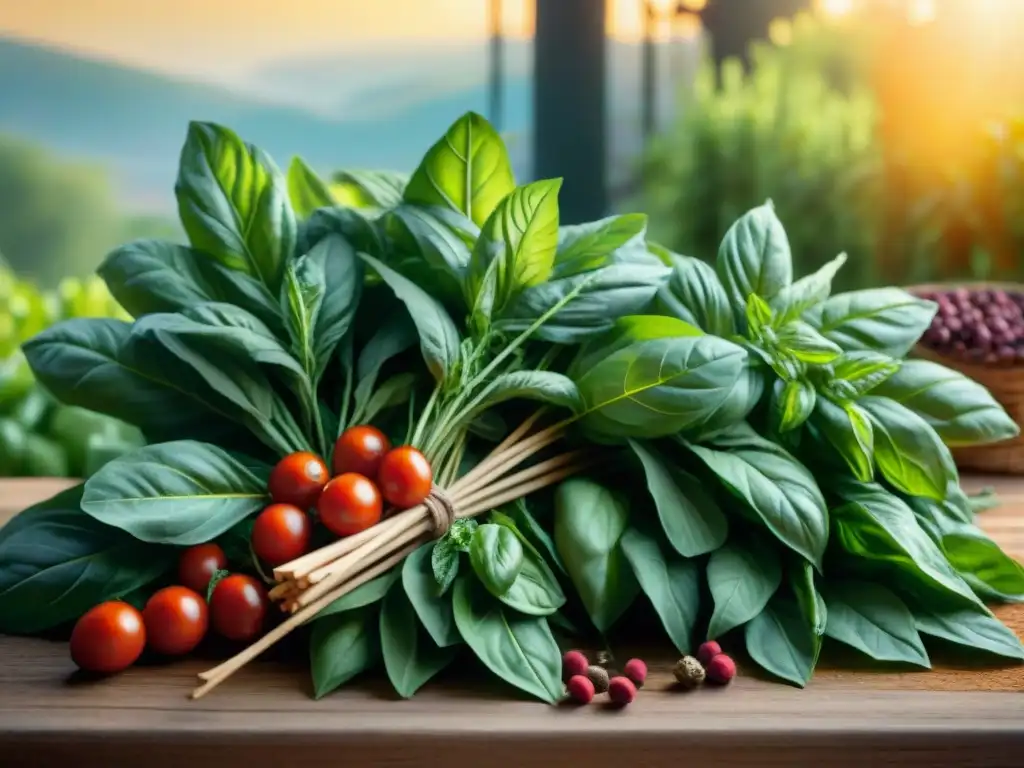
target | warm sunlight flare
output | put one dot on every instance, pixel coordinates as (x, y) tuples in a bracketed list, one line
[(835, 8)]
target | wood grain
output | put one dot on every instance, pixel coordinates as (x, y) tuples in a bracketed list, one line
[(266, 717)]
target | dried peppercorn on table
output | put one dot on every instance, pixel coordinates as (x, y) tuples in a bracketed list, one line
[(265, 716)]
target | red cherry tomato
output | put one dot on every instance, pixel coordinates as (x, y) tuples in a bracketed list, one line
[(176, 619), (198, 564), (349, 504), (360, 450), (280, 534), (238, 607), (405, 477), (298, 479), (108, 638)]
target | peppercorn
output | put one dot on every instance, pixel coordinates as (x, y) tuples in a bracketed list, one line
[(574, 663), (621, 690), (721, 669), (636, 671), (580, 689), (689, 672), (708, 651), (599, 677), (604, 658)]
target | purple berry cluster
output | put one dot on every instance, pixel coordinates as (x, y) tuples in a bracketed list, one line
[(982, 326)]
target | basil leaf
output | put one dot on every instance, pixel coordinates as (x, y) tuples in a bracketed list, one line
[(438, 237), (754, 258), (759, 315), (742, 580), (773, 484), (886, 320), (690, 517), (589, 521), (779, 640), (793, 300), (56, 563), (583, 247), (535, 591), (410, 657), (670, 583), (439, 338), (961, 411), (497, 557), (546, 386), (368, 593), (468, 170), (426, 596), (332, 263), (535, 533), (342, 646), (520, 650), (865, 370), (907, 451), (380, 189), (626, 331), (306, 191), (659, 387), (804, 343), (694, 293), (992, 573), (870, 618), (973, 628), (180, 493), (742, 399), (847, 431), (811, 604), (792, 403), (233, 203)]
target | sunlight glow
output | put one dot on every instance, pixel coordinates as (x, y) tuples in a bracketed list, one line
[(835, 8)]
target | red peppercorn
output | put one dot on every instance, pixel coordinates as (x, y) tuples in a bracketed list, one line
[(581, 689), (574, 663), (636, 671), (708, 651), (621, 691), (720, 669)]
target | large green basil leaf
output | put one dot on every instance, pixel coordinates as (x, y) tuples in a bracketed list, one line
[(467, 170), (742, 580), (804, 343), (367, 593), (886, 320), (659, 387), (773, 484), (307, 192), (671, 583), (56, 563), (180, 493), (432, 607), (992, 574), (341, 646), (907, 451), (520, 650), (961, 411), (793, 300), (870, 618), (535, 533), (589, 521), (742, 399), (369, 189), (441, 237), (781, 642), (516, 248), (439, 338), (583, 247), (626, 331), (233, 203), (411, 658), (974, 628), (690, 517), (862, 371), (497, 557), (536, 590), (792, 403), (365, 230), (847, 431), (754, 258), (545, 386), (695, 294)]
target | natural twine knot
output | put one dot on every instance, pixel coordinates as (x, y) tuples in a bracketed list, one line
[(442, 510)]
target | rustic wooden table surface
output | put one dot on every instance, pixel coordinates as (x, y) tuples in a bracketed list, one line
[(265, 717)]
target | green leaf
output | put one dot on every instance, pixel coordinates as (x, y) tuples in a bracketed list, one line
[(742, 580), (626, 331), (886, 320), (56, 563), (468, 170), (907, 451), (426, 596), (695, 294), (444, 563), (804, 343), (233, 203), (659, 387), (368, 593), (342, 646), (546, 386), (410, 657), (991, 572), (520, 650), (381, 189), (535, 591), (773, 484), (864, 371), (497, 557), (332, 265), (810, 602), (439, 338), (670, 583), (306, 191), (781, 642), (391, 393), (535, 532), (437, 244), (754, 258), (180, 493), (973, 628), (589, 521), (792, 403), (793, 300), (847, 430), (961, 411), (759, 314), (870, 618), (516, 248), (690, 517), (583, 247)]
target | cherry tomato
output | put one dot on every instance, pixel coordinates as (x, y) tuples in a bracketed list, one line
[(405, 477), (360, 450), (298, 479), (198, 564), (238, 607), (176, 619), (349, 504), (108, 638), (280, 534)]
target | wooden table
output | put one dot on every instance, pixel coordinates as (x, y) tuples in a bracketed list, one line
[(265, 717)]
